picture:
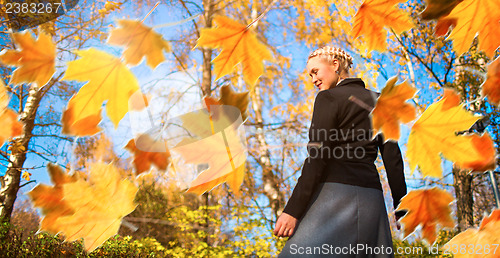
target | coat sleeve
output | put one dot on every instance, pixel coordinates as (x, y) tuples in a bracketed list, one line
[(394, 167), (323, 120)]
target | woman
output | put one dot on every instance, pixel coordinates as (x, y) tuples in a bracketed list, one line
[(338, 198)]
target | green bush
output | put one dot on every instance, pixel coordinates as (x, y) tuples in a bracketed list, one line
[(248, 240), (14, 244)]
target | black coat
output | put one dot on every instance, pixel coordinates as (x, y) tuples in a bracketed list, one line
[(342, 148)]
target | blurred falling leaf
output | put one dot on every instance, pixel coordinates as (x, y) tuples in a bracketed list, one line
[(491, 87), (10, 125), (217, 143), (443, 26), (485, 146), (231, 98), (391, 108), (436, 9), (138, 101), (140, 41), (84, 127), (483, 240), (108, 79), (98, 205), (428, 207), (35, 59), (239, 45), (371, 18), (435, 132), (476, 17), (50, 198), (147, 152)]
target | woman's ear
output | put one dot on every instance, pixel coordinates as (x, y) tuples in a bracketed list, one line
[(336, 65)]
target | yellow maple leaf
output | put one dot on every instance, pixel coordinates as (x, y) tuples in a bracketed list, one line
[(50, 198), (140, 41), (26, 176), (35, 59), (99, 205), (108, 79), (476, 17), (484, 241), (491, 87), (391, 108), (231, 98), (218, 143), (371, 18), (435, 132), (239, 45), (428, 207), (10, 125)]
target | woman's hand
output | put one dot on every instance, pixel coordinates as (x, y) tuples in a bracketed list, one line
[(285, 226)]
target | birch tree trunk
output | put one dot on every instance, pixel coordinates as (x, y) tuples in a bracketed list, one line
[(463, 193), (10, 181), (269, 180)]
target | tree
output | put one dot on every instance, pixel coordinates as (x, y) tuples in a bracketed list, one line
[(73, 31)]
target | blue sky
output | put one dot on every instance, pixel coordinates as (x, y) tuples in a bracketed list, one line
[(160, 82)]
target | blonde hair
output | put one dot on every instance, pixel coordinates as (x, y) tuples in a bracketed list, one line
[(331, 53)]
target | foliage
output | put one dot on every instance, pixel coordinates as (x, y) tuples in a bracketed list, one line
[(12, 244)]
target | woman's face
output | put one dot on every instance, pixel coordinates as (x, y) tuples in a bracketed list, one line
[(322, 73)]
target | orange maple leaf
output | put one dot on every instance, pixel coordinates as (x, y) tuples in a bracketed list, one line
[(391, 108), (427, 207), (435, 132), (10, 125), (147, 152), (239, 45), (485, 146), (140, 41), (84, 127), (98, 205), (371, 18), (484, 241), (50, 198), (491, 87), (108, 79), (443, 26), (437, 9), (218, 143), (476, 17), (231, 98), (35, 59)]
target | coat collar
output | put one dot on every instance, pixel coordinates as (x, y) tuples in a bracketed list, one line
[(352, 81)]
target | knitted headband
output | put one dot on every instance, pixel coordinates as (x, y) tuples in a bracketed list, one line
[(331, 53)]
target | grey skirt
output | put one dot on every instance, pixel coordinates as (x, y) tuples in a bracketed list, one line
[(342, 221)]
